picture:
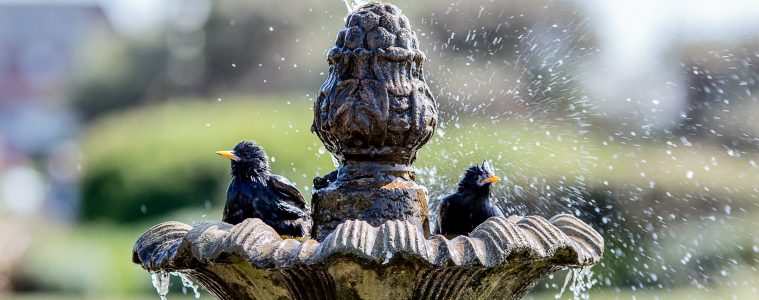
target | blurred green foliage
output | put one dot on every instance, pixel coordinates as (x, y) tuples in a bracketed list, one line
[(156, 159), (122, 74), (93, 261), (238, 52), (160, 158), (145, 164), (157, 163), (86, 259)]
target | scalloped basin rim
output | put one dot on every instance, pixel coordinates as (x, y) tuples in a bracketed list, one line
[(492, 243), (502, 258)]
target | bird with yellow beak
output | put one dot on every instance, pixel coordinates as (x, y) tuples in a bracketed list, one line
[(470, 205), (256, 193)]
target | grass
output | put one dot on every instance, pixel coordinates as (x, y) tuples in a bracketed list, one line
[(681, 293), (109, 296), (684, 293), (85, 259), (94, 262)]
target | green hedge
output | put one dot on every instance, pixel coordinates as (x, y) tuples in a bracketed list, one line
[(162, 157), (156, 159)]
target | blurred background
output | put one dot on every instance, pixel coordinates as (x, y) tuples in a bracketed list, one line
[(639, 117)]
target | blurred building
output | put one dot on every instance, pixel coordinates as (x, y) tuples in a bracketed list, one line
[(38, 51), (40, 45)]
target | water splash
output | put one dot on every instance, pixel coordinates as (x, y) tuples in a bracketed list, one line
[(354, 4), (162, 279), (188, 283), (160, 283), (579, 281)]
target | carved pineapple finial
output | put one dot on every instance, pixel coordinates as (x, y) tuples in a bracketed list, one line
[(375, 106)]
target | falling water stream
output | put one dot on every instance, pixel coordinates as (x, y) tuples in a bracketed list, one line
[(161, 282), (579, 281), (351, 5), (188, 283)]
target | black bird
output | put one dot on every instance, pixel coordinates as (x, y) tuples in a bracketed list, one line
[(256, 193), (470, 205)]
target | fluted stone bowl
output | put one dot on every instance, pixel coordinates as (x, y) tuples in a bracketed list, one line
[(503, 258)]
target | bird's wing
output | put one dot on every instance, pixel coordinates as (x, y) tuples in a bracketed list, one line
[(288, 211), (442, 213), (235, 209), (495, 211), (287, 190), (233, 213)]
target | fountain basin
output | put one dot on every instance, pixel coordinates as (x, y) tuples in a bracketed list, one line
[(373, 113), (502, 258)]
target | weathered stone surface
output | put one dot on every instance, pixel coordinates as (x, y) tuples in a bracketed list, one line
[(375, 193), (370, 219), (373, 113), (375, 105), (503, 258), (334, 205)]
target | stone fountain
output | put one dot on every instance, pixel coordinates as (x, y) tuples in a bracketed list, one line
[(371, 236)]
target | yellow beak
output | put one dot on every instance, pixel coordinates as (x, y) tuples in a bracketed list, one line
[(228, 154), (492, 179)]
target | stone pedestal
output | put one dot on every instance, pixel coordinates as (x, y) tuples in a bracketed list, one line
[(333, 206), (373, 113), (374, 193)]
